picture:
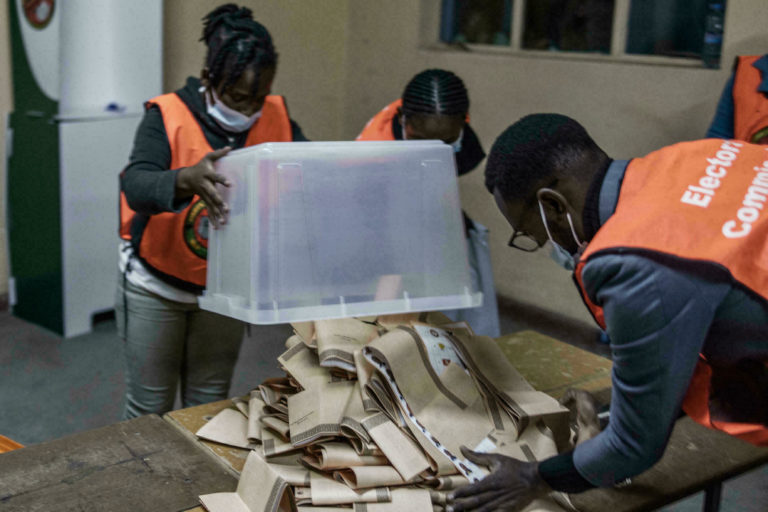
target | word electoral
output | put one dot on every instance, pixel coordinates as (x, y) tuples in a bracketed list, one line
[(701, 194)]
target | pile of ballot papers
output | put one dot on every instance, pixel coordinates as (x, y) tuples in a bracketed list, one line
[(371, 416)]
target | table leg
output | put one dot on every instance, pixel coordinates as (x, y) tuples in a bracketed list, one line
[(712, 497)]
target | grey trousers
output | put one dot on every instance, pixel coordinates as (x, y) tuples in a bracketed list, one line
[(168, 344)]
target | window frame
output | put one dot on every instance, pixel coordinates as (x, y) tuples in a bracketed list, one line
[(431, 19)]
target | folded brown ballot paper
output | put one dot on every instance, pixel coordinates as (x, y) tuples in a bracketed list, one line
[(402, 451), (255, 412), (354, 411), (327, 491), (303, 365), (337, 455), (228, 427), (273, 445), (337, 341), (363, 477), (371, 415), (260, 489), (241, 405), (403, 500), (317, 412), (427, 399), (305, 331)]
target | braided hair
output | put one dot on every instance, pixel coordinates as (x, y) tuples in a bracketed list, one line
[(435, 92), (536, 151), (235, 41)]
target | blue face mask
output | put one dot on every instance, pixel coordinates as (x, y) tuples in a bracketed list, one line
[(562, 257), (229, 119), (456, 145), (558, 254)]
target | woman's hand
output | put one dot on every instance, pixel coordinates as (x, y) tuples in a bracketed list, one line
[(511, 485), (201, 179)]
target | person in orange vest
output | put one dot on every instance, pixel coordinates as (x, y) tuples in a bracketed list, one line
[(670, 253), (169, 199), (742, 112), (435, 105)]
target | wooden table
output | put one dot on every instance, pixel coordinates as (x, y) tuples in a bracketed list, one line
[(696, 459), (553, 366), (153, 465), (188, 421), (142, 464)]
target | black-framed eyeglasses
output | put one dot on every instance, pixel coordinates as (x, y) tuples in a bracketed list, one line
[(523, 241)]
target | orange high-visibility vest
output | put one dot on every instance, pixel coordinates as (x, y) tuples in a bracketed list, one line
[(750, 106), (8, 445), (380, 125), (175, 244), (702, 201)]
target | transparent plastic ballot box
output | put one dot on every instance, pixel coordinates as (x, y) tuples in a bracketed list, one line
[(320, 230)]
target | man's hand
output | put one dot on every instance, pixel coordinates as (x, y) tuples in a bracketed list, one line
[(511, 485), (583, 407), (201, 179)]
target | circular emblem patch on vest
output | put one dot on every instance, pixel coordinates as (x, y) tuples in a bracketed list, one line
[(38, 12), (196, 229)]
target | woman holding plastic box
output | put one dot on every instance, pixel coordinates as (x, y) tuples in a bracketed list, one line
[(169, 198), (435, 105)]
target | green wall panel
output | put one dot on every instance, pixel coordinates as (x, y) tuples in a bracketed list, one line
[(34, 223)]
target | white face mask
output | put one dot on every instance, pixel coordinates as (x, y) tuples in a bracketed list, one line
[(228, 118), (558, 254)]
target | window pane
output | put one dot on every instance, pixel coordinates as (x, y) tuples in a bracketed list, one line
[(476, 21), (677, 28), (568, 25)]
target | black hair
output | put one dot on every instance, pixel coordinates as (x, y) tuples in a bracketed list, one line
[(235, 41), (435, 92), (535, 152)]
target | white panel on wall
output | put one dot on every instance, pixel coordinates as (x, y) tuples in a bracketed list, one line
[(92, 155), (40, 27), (111, 53)]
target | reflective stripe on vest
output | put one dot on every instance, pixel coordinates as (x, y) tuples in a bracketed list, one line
[(175, 244), (380, 125), (704, 201), (750, 106)]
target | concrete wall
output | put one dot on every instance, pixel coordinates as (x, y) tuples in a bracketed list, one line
[(342, 60), (310, 38)]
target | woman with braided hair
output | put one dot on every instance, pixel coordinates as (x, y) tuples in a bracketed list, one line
[(435, 105), (169, 198)]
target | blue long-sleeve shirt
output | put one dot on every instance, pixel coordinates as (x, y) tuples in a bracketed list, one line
[(659, 317), (722, 124)]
